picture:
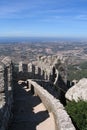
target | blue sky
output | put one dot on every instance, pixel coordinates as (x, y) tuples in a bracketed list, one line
[(50, 18)]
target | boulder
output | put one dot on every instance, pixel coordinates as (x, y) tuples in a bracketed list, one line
[(78, 91)]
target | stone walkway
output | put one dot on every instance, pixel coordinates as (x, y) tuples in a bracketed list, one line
[(29, 112)]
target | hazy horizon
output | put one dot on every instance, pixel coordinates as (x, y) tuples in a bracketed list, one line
[(39, 39)]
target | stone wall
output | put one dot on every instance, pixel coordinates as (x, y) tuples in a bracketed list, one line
[(31, 71), (54, 61), (50, 68), (46, 67), (6, 92), (56, 68), (62, 119)]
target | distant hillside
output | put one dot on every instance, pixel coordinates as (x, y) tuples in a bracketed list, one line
[(77, 71)]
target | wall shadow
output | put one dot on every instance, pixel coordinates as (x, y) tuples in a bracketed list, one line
[(24, 117), (57, 91)]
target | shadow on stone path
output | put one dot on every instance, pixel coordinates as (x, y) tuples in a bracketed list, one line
[(24, 117)]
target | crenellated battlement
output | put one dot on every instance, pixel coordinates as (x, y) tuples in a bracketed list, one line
[(32, 71), (48, 69)]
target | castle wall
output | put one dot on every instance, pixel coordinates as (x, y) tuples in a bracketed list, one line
[(35, 71), (44, 69), (62, 119), (6, 92), (30, 71), (49, 68)]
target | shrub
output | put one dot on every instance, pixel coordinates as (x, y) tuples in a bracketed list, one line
[(78, 113)]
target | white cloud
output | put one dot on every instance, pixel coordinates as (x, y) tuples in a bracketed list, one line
[(81, 17)]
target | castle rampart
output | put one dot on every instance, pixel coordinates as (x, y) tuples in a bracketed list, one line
[(6, 92), (10, 72), (62, 119)]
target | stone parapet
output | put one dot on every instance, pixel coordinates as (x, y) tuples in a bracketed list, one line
[(62, 119), (36, 71)]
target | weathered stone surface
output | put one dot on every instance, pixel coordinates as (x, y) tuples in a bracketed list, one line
[(1, 68), (1, 79), (62, 119), (44, 69), (6, 97), (78, 91), (6, 61), (20, 67)]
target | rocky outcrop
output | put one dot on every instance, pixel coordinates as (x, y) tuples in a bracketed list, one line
[(78, 91)]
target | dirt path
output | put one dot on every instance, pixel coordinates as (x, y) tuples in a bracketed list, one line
[(29, 112)]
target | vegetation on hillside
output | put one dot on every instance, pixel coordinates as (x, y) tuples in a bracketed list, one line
[(78, 114), (77, 71)]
